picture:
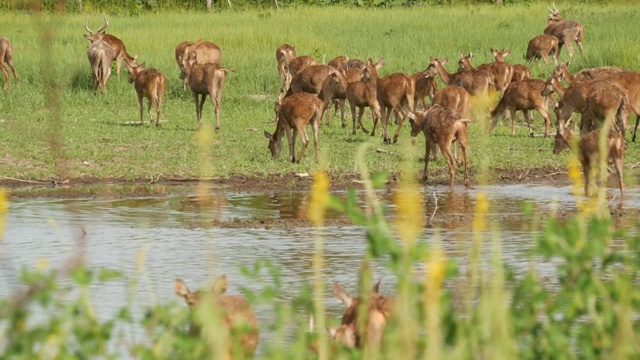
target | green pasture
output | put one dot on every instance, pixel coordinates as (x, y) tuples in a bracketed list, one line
[(53, 126)]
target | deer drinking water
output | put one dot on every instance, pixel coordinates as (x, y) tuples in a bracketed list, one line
[(236, 316), (119, 50), (150, 84), (6, 56)]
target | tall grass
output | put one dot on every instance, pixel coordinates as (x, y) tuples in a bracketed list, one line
[(55, 126)]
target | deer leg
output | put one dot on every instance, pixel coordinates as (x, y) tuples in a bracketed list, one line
[(305, 141), (528, 115), (547, 120), (635, 129), (445, 149), (6, 75), (315, 126), (579, 43), (462, 141), (216, 96), (399, 121), (149, 110), (141, 105), (352, 105), (385, 123), (158, 111), (118, 64), (360, 114), (291, 138), (427, 153), (341, 103)]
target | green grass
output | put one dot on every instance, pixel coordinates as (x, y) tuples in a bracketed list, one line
[(54, 103)]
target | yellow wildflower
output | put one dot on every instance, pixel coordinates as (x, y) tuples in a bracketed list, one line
[(319, 198), (481, 210), (4, 209), (409, 213)]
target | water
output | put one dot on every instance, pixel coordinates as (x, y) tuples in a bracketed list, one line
[(156, 238)]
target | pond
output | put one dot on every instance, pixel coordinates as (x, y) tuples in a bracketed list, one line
[(166, 234)]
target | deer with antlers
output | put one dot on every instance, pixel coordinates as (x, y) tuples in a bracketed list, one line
[(379, 309), (6, 51), (525, 96), (236, 316), (100, 56), (294, 113), (150, 84), (119, 50), (541, 46), (567, 31), (589, 153), (197, 53), (442, 125), (499, 70)]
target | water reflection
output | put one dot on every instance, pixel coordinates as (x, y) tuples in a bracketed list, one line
[(179, 236)]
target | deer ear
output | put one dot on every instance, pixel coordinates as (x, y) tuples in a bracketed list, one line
[(470, 55), (494, 51), (341, 294), (445, 60), (220, 285), (181, 288), (506, 53), (376, 287), (268, 135)]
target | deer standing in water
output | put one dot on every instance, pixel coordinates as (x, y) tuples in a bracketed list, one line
[(294, 113), (150, 84), (6, 51), (119, 50), (236, 316)]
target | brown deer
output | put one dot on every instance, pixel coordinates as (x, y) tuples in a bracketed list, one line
[(379, 308), (476, 82), (198, 53), (150, 84), (100, 55), (6, 51), (300, 62), (456, 98), (567, 31), (500, 71), (310, 79), (334, 88), (339, 62), (523, 95), (395, 93), (424, 86), (206, 79), (586, 74), (284, 54), (601, 98), (519, 72), (179, 53), (541, 46), (441, 125), (119, 50), (294, 113), (235, 313), (589, 152), (364, 93)]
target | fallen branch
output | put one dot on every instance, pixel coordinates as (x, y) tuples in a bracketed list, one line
[(435, 209), (378, 150), (24, 180), (556, 173)]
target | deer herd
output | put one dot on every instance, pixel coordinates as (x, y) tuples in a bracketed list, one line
[(308, 88)]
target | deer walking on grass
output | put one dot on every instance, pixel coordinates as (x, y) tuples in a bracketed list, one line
[(119, 50), (293, 114), (206, 80), (541, 46), (236, 316), (567, 31), (6, 56), (150, 84), (442, 125), (364, 93), (525, 96), (100, 55)]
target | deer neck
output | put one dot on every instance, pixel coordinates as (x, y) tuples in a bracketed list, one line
[(444, 75), (567, 76), (557, 86)]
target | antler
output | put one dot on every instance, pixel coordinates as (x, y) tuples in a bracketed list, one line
[(106, 23), (86, 27)]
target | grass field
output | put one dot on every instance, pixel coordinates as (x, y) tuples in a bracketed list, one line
[(53, 126)]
